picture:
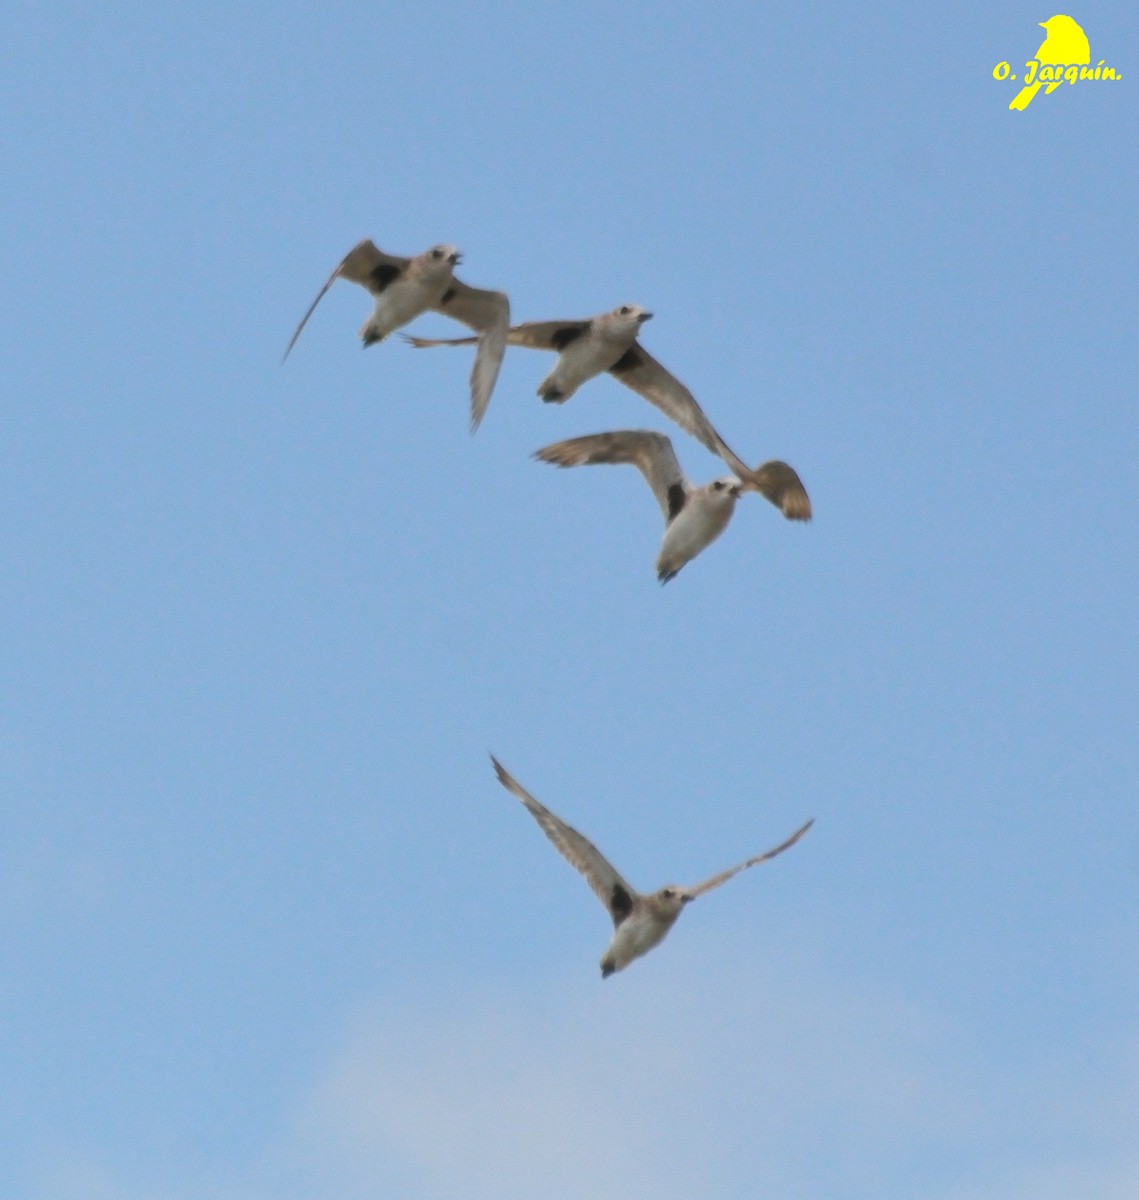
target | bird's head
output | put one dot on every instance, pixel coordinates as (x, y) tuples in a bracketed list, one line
[(630, 314), (724, 492), (729, 485), (673, 898), (444, 256)]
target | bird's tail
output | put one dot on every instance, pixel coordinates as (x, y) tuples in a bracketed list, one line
[(1024, 96)]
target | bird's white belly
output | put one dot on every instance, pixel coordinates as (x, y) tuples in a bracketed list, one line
[(581, 360), (402, 302), (695, 527), (636, 935)]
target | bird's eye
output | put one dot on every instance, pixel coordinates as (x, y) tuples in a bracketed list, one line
[(624, 310), (436, 253), (717, 486)]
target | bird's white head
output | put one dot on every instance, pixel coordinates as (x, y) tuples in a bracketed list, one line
[(726, 490), (441, 258), (628, 316), (672, 899)]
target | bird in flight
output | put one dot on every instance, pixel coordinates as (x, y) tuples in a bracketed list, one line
[(640, 921), (406, 287), (607, 342), (695, 516)]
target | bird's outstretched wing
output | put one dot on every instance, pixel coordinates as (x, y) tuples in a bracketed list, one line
[(637, 369), (548, 335), (365, 264), (536, 335), (578, 851), (776, 480), (651, 453), (489, 313), (779, 483), (724, 876)]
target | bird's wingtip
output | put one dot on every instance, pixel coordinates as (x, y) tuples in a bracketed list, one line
[(500, 771)]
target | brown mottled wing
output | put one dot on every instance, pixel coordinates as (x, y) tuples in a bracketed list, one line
[(489, 313), (578, 851), (365, 264), (724, 876), (651, 453), (537, 335), (781, 485)]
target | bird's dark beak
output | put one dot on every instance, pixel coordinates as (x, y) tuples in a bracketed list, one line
[(645, 317), (686, 899), (456, 258)]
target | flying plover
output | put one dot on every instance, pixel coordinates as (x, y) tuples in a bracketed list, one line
[(406, 287), (607, 342), (694, 515), (640, 921)]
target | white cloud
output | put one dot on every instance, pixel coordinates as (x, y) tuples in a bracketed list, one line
[(653, 1083), (689, 1075)]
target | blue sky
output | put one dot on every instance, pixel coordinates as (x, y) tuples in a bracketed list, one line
[(269, 928)]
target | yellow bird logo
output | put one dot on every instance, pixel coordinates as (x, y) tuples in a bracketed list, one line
[(1066, 44)]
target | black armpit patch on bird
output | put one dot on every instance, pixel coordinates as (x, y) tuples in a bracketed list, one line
[(629, 361), (385, 274), (676, 498), (620, 904), (562, 338)]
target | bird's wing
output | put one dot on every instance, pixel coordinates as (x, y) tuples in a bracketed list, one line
[(637, 369), (365, 264), (776, 480), (578, 851), (479, 308), (724, 876), (489, 313), (536, 335), (547, 335), (651, 453), (781, 485)]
